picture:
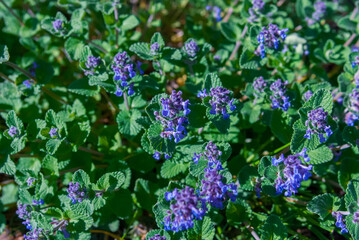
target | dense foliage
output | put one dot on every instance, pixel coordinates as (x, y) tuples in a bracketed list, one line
[(192, 119)]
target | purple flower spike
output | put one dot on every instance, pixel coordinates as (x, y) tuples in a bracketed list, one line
[(320, 9), (172, 117), (214, 191), (76, 193), (53, 132), (191, 48), (340, 221), (156, 155), (124, 71), (278, 97), (270, 38), (317, 124), (186, 208), (294, 172)]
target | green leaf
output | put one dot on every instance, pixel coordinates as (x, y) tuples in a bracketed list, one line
[(274, 229), (13, 120), (249, 60), (157, 38), (110, 181), (237, 212), (298, 141), (144, 191), (231, 31), (82, 178), (196, 117), (29, 164), (221, 124), (203, 230), (157, 142), (350, 135), (7, 166), (142, 50), (211, 81), (82, 87), (322, 205), (129, 23), (171, 168), (320, 155), (4, 54), (127, 122), (73, 47), (351, 203), (321, 98), (53, 145), (347, 24), (246, 177), (198, 169), (50, 165)]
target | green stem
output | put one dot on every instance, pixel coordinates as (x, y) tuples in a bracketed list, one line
[(13, 13), (280, 149)]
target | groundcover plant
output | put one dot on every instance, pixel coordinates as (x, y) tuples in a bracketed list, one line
[(187, 119)]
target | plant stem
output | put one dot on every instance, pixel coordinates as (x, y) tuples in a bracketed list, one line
[(126, 101), (280, 149), (113, 106), (251, 230), (106, 233), (13, 13)]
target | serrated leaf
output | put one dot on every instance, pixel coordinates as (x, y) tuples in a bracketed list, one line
[(157, 38), (221, 124), (351, 203), (249, 60), (127, 122), (129, 23), (211, 81), (246, 177), (321, 98), (82, 87), (157, 142), (142, 50), (74, 48), (171, 168), (274, 229), (82, 178), (7, 166), (320, 155), (322, 205), (237, 212)]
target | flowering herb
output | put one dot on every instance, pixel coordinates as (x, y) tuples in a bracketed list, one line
[(191, 49), (124, 71), (186, 207), (157, 237), (13, 131), (212, 154), (58, 25), (278, 97), (216, 12), (319, 11), (270, 38), (340, 222), (76, 193), (173, 116), (254, 11), (352, 110), (317, 124), (289, 179)]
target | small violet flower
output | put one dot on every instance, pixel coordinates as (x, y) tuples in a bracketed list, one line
[(212, 154), (58, 25), (191, 49), (13, 131), (270, 38), (124, 71), (185, 208), (76, 193), (278, 97), (319, 12), (340, 221), (157, 237), (293, 173), (53, 132), (317, 124), (220, 99)]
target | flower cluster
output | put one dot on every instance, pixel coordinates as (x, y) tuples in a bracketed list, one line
[(214, 191), (317, 124), (24, 212), (212, 154), (157, 237), (58, 25), (340, 222), (216, 12), (33, 235), (259, 86), (13, 131), (191, 48), (352, 110), (32, 70), (278, 97), (157, 155), (255, 9), (220, 99), (172, 116), (124, 70), (155, 49), (53, 132), (355, 62), (356, 217), (270, 38), (294, 172), (186, 208), (320, 9), (76, 193), (91, 63)]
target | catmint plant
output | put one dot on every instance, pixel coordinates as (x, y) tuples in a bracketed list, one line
[(270, 38), (76, 193), (292, 172), (173, 116), (317, 124), (124, 71), (278, 95), (352, 111), (186, 207), (319, 12)]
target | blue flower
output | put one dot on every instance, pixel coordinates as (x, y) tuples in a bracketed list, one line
[(317, 124), (13, 131), (76, 193), (58, 25), (186, 207), (220, 99), (53, 132), (278, 97), (270, 38), (157, 237), (294, 172), (191, 48), (340, 221), (124, 71)]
